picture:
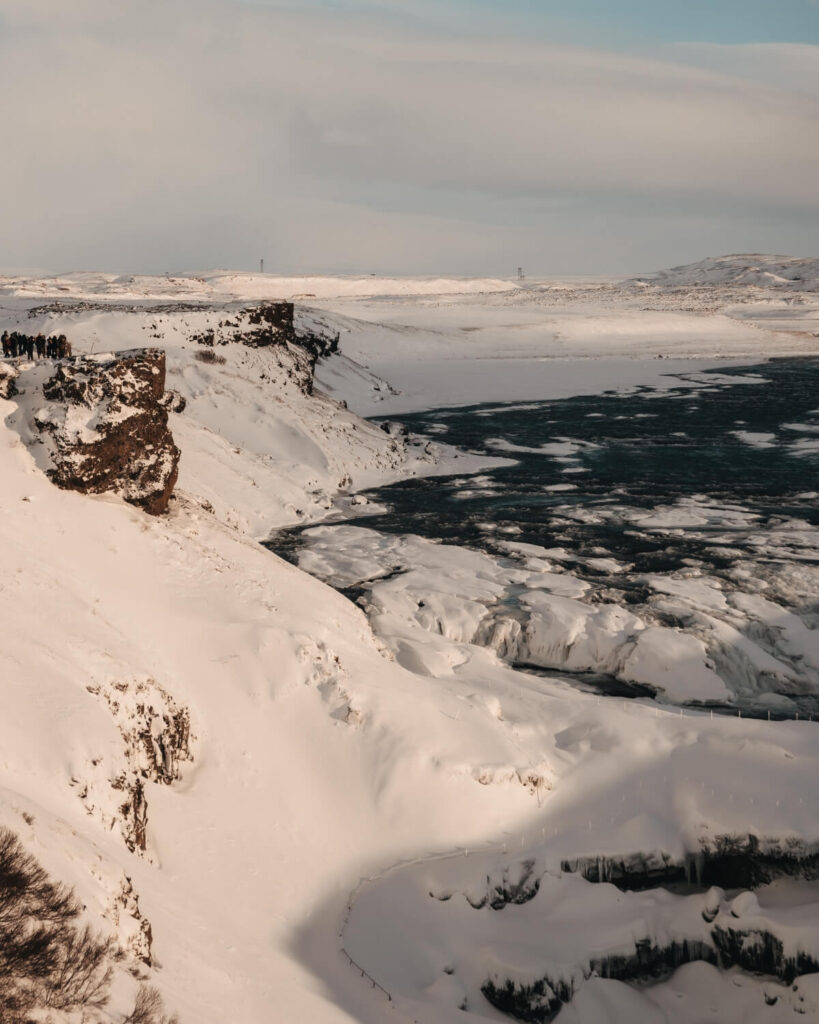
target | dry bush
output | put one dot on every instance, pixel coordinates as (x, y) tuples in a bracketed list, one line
[(207, 355), (149, 1008), (45, 959), (82, 974)]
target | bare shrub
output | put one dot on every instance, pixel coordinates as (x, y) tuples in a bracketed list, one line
[(82, 973), (149, 1008), (45, 959), (207, 355)]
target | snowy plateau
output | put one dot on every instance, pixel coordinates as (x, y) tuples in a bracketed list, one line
[(364, 784)]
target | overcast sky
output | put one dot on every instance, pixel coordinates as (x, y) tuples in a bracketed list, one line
[(406, 136)]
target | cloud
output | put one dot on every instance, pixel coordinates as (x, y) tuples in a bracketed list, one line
[(793, 67), (149, 135)]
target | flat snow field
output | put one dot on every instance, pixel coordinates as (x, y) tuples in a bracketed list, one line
[(360, 787)]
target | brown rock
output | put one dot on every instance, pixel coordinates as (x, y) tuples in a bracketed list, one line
[(122, 443)]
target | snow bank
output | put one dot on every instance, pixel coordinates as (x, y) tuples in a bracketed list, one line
[(780, 272), (423, 598)]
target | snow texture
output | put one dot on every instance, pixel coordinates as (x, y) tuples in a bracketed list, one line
[(287, 809)]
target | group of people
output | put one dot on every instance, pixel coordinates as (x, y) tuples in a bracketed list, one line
[(16, 344)]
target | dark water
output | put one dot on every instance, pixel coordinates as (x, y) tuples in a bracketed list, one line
[(635, 452), (651, 448)]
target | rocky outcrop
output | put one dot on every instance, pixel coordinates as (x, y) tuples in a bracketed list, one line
[(135, 931), (106, 421), (501, 892), (8, 380), (759, 951), (157, 741), (542, 1000), (755, 949), (271, 325), (730, 931), (730, 861)]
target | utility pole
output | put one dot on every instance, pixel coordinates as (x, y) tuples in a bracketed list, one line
[(261, 266)]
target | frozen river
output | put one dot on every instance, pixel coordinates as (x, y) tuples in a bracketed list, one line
[(692, 507)]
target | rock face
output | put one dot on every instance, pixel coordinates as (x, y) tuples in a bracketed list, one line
[(271, 325), (8, 378), (107, 422), (157, 740)]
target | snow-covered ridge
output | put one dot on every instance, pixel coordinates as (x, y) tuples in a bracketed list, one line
[(779, 272), (755, 270), (258, 447), (227, 285)]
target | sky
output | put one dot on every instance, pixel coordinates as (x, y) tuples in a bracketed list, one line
[(406, 136)]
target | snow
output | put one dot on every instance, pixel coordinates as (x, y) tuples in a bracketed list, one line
[(215, 285), (754, 269), (332, 743), (756, 439), (547, 342)]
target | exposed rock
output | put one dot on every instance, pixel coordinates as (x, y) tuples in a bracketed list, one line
[(271, 325), (107, 421), (738, 934), (8, 378), (501, 892), (757, 949), (173, 401), (395, 429), (135, 932), (730, 861), (541, 1001), (156, 735)]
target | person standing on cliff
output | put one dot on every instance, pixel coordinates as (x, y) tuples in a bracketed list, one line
[(6, 344)]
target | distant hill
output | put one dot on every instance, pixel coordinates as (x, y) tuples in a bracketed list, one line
[(788, 272)]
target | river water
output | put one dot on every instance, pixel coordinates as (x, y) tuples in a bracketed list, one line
[(705, 473)]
